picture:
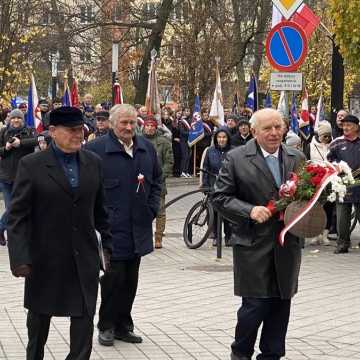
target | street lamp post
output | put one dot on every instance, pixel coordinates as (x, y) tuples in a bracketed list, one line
[(55, 57), (114, 66)]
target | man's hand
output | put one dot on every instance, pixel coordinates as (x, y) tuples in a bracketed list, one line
[(22, 271), (8, 146), (260, 214), (16, 142)]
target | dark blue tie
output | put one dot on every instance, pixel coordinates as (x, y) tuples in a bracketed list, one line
[(273, 164)]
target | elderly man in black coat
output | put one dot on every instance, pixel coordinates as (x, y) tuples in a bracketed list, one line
[(265, 273), (133, 183), (58, 203)]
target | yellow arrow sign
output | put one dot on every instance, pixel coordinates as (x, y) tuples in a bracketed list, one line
[(287, 7)]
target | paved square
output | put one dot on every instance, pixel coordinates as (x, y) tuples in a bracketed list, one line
[(184, 312)]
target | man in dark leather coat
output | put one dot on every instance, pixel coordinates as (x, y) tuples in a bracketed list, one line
[(265, 273)]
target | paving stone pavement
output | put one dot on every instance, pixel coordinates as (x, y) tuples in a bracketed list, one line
[(185, 313)]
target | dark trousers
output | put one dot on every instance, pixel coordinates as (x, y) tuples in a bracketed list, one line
[(226, 224), (118, 290), (81, 333), (329, 210), (177, 158), (6, 189), (185, 156), (274, 314), (343, 215)]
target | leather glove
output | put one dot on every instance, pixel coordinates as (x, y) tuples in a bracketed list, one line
[(22, 271)]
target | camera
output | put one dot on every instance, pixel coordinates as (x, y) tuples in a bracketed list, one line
[(11, 140)]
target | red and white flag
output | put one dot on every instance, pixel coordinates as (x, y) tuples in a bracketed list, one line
[(306, 19), (118, 96), (74, 94), (152, 102), (304, 115)]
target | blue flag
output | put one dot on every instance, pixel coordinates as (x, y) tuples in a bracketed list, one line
[(268, 100), (66, 100), (196, 132), (294, 123), (13, 103), (252, 95)]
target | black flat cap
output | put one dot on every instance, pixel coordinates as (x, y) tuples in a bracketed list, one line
[(102, 114), (351, 118), (66, 116)]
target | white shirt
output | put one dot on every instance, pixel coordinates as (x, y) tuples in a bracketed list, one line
[(128, 149), (266, 154)]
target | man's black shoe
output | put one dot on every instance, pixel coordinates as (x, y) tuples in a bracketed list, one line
[(128, 337), (341, 251), (106, 337), (239, 357)]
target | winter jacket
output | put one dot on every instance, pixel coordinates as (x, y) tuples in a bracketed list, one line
[(10, 158), (214, 158)]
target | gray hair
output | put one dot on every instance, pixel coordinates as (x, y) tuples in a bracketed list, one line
[(258, 115), (123, 109)]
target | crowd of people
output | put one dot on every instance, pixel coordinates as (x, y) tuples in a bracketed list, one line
[(106, 170)]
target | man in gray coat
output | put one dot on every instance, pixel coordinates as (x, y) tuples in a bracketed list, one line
[(265, 273)]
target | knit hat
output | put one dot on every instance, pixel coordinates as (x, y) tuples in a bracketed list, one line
[(16, 113), (324, 128), (150, 120), (351, 118), (292, 139)]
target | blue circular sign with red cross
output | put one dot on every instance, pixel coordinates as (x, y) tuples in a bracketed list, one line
[(286, 46)]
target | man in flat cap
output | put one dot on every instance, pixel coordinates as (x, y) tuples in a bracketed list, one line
[(346, 148), (57, 205)]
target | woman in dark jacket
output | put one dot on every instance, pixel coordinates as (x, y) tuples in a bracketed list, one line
[(212, 163), (16, 141)]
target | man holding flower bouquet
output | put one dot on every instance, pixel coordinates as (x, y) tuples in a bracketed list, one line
[(346, 148), (265, 273)]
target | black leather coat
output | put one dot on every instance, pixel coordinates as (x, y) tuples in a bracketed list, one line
[(262, 268)]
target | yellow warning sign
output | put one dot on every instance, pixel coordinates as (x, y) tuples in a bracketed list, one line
[(287, 7)]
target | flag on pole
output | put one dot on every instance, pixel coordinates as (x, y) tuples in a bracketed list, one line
[(294, 123), (66, 99), (304, 123), (75, 94), (33, 118), (217, 107), (306, 19), (320, 113), (252, 95), (283, 107), (152, 102), (196, 132), (118, 96), (235, 106), (13, 103), (268, 99)]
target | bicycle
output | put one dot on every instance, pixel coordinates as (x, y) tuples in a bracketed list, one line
[(199, 221)]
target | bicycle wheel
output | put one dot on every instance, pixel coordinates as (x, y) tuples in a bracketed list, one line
[(198, 224), (355, 215)]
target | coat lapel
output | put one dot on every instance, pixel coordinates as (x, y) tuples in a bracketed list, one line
[(288, 162), (56, 173), (259, 162)]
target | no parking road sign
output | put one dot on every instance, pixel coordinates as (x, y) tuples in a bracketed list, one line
[(286, 46)]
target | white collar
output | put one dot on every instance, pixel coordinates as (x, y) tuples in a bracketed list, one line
[(266, 154)]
